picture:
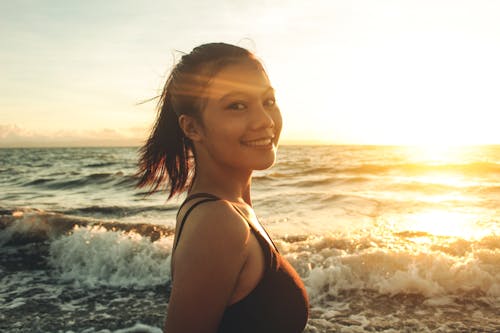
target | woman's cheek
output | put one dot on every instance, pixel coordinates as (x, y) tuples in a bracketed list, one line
[(278, 123)]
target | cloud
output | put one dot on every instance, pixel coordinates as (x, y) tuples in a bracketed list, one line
[(12, 135)]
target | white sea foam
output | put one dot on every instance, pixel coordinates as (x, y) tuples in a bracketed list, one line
[(328, 265), (331, 265), (96, 256), (30, 224), (142, 328), (355, 283)]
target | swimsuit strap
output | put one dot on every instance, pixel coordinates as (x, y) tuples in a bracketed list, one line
[(255, 230), (208, 196), (196, 195)]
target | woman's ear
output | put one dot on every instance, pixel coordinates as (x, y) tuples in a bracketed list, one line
[(190, 127)]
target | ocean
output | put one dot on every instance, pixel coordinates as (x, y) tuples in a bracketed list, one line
[(385, 238)]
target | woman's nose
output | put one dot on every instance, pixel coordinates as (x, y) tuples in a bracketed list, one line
[(263, 117)]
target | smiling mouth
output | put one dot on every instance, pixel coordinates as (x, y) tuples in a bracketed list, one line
[(259, 143)]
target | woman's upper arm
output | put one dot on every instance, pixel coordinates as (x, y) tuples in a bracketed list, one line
[(208, 261)]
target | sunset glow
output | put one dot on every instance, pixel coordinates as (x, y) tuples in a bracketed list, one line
[(364, 72)]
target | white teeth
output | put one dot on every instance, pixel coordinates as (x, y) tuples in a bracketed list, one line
[(256, 143)]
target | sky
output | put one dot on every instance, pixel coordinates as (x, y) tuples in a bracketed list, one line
[(73, 73)]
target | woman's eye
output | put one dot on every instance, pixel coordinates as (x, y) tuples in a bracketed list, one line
[(237, 106), (270, 102)]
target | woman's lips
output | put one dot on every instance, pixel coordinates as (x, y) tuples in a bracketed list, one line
[(264, 142)]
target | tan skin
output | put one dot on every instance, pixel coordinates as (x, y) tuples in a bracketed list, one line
[(218, 260)]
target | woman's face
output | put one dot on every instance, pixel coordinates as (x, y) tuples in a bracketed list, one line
[(241, 120)]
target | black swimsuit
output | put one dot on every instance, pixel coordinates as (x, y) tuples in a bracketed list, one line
[(278, 304)]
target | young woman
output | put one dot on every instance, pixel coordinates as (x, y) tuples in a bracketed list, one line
[(218, 121)]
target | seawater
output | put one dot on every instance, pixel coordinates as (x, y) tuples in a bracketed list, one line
[(386, 239)]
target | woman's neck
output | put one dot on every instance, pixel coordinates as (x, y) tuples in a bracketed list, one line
[(229, 184)]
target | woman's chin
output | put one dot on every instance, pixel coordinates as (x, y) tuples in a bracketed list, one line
[(264, 168), (266, 164)]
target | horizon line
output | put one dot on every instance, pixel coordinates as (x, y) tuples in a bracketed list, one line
[(285, 143)]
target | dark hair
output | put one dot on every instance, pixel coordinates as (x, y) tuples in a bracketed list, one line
[(168, 155)]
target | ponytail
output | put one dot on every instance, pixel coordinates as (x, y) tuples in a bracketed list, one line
[(165, 156)]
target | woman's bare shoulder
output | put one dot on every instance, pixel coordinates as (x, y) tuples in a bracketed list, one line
[(215, 224)]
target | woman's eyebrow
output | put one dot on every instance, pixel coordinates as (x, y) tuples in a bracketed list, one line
[(244, 93), (268, 90)]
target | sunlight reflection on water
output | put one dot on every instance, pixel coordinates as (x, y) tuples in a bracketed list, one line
[(446, 223)]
